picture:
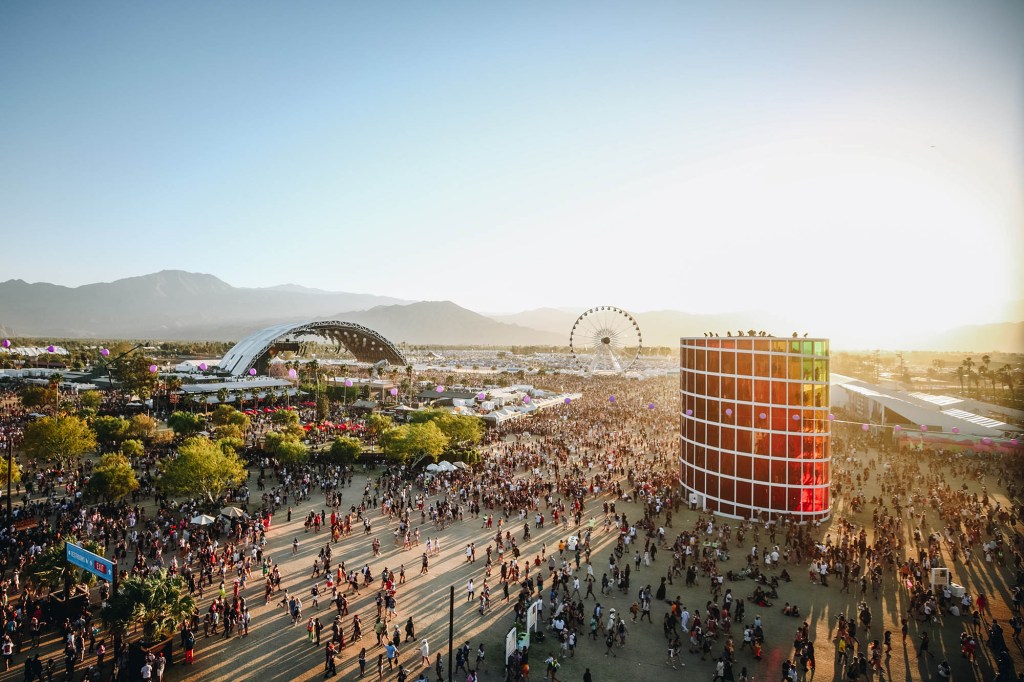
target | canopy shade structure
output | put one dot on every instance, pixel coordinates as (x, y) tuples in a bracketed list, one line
[(363, 343)]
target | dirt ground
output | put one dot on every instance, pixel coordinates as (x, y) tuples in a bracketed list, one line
[(276, 651)]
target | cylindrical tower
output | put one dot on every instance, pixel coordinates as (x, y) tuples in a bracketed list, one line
[(754, 426)]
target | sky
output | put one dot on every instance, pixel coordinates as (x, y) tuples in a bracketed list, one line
[(851, 162)]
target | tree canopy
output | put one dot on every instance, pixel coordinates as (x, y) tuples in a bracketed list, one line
[(202, 469), (413, 440), (113, 478), (50, 568), (111, 431), (63, 439), (185, 423), (344, 450), (33, 397), (224, 415), (16, 476), (286, 449), (157, 603), (461, 430)]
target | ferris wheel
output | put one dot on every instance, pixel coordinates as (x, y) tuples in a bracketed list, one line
[(605, 340)]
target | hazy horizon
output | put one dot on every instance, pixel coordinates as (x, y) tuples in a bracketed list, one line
[(856, 164)]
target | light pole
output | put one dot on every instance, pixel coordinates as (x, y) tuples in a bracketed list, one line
[(8, 436)]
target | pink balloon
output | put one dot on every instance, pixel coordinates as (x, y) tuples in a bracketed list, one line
[(924, 427), (348, 383), (6, 343), (796, 417), (202, 366), (728, 411), (897, 428), (526, 399), (864, 427), (955, 429), (986, 441), (567, 401), (689, 413), (394, 391), (763, 415), (104, 352), (481, 396), (252, 371), (1014, 442), (650, 406), (292, 373), (152, 368), (831, 417), (611, 399), (51, 349), (439, 389)]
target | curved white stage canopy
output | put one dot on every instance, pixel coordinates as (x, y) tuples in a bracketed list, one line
[(364, 343)]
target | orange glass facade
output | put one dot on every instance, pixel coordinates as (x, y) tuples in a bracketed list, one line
[(754, 427)]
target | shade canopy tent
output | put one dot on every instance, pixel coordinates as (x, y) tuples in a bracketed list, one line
[(202, 520), (232, 512)]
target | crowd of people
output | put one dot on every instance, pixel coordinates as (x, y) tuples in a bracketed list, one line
[(563, 514)]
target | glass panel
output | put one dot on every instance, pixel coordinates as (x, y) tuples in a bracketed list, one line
[(779, 392), (743, 440), (714, 361), (762, 496), (729, 388), (711, 485), (712, 437), (761, 467), (762, 344), (744, 414), (743, 489), (762, 365), (779, 346), (744, 344), (726, 463), (727, 509), (795, 368), (793, 500), (762, 391), (808, 347), (778, 499), (728, 363), (744, 467), (778, 367), (744, 364), (712, 387), (744, 389), (727, 438), (700, 361), (726, 489)]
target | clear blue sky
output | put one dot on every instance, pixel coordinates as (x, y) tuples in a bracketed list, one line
[(850, 156)]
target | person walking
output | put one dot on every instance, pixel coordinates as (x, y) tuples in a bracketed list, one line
[(923, 648), (425, 653)]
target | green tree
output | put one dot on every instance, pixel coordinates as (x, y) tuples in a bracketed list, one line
[(111, 431), (50, 568), (287, 450), (133, 449), (91, 400), (413, 440), (63, 439), (284, 418), (142, 427), (229, 431), (133, 376), (201, 469), (461, 430), (344, 450), (157, 603), (113, 478), (230, 445), (224, 415), (185, 424), (377, 424), (35, 397), (16, 473)]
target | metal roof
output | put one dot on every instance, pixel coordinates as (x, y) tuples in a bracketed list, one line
[(364, 343)]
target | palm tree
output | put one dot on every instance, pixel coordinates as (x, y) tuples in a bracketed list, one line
[(50, 568), (1006, 379), (158, 603), (968, 365)]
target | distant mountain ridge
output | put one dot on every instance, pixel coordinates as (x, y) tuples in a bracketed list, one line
[(171, 304), (174, 304)]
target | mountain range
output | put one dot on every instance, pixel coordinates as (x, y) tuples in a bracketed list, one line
[(178, 305)]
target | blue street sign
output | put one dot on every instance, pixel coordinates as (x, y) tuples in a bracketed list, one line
[(94, 563)]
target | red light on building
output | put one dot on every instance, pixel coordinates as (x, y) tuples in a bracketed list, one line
[(754, 428)]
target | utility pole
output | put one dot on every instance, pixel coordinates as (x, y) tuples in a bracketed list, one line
[(451, 629)]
